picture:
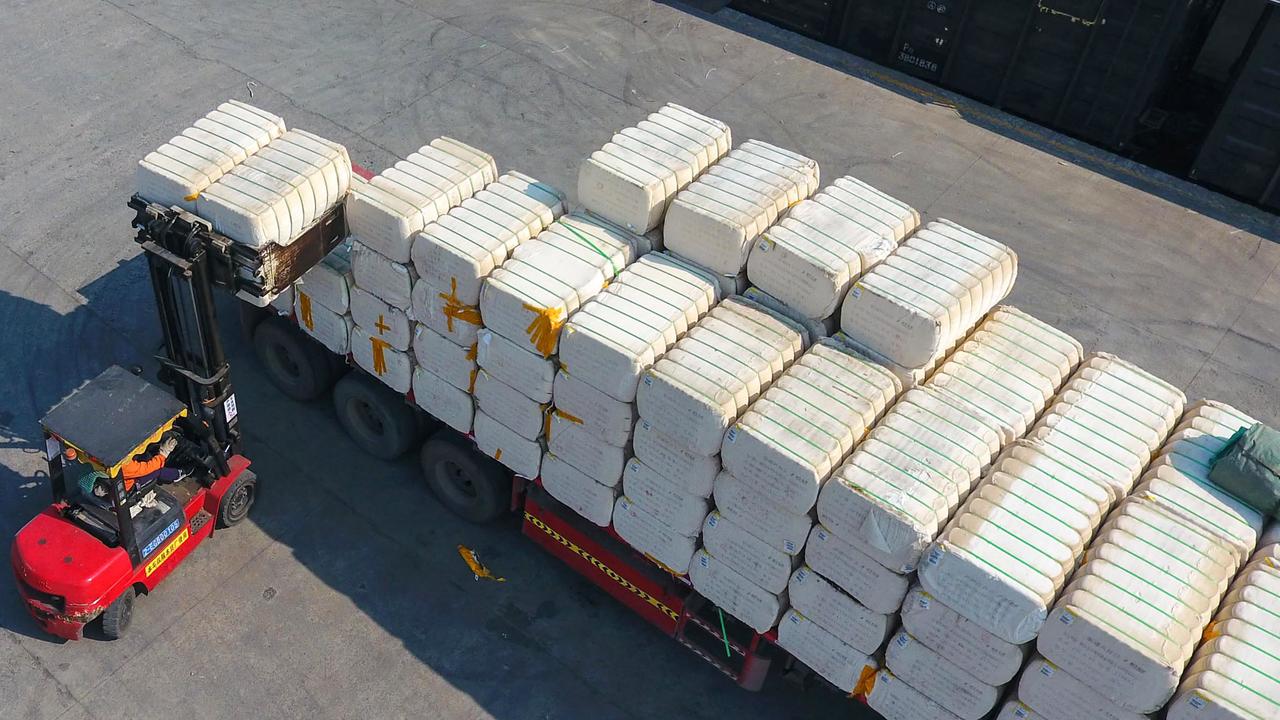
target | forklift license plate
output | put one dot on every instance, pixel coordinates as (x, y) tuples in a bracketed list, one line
[(167, 551)]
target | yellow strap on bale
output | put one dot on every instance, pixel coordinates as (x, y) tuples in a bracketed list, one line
[(546, 421), (866, 683), (544, 329), (455, 309), (304, 309), (379, 354)]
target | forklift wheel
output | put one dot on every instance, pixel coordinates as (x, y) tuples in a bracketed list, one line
[(239, 498), (118, 615), (473, 486), (380, 421), (297, 365)]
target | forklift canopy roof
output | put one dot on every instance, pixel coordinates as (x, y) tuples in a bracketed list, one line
[(113, 416)]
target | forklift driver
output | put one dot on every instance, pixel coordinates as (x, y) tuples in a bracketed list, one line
[(139, 470)]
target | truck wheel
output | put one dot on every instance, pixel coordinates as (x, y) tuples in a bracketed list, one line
[(380, 421), (118, 615), (297, 365), (239, 498), (473, 486)]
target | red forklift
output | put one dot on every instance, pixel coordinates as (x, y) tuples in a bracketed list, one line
[(109, 537)]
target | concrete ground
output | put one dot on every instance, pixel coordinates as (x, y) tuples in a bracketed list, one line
[(343, 596)]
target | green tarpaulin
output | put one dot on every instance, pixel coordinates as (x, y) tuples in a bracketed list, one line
[(1249, 468)]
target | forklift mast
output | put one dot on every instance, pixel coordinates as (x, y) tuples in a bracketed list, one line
[(181, 250)]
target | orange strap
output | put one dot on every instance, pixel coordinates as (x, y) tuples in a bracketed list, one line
[(866, 682), (379, 354), (455, 309), (304, 308), (544, 329)]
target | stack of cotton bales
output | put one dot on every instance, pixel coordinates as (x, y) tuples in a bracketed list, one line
[(715, 221), (322, 300), (452, 256), (811, 257), (177, 172), (524, 305), (384, 214), (279, 192), (631, 180), (686, 402), (1117, 641), (902, 486), (911, 309), (604, 349), (994, 572), (776, 457), (1235, 675)]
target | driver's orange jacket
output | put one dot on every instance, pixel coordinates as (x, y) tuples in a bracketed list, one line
[(135, 469)]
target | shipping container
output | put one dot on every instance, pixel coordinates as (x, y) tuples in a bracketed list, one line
[(819, 19), (1241, 154)]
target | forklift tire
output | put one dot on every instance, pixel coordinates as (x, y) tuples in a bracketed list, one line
[(239, 498), (299, 366), (118, 615), (472, 485), (380, 421)]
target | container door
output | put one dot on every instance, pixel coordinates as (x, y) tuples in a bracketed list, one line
[(1241, 154)]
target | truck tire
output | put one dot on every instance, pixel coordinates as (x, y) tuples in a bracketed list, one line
[(380, 421), (239, 498), (118, 615), (299, 366), (472, 485)]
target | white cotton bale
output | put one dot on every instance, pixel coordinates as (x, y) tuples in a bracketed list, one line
[(530, 373), (938, 678), (1054, 694), (631, 179), (509, 406), (809, 259), (988, 658), (869, 582), (458, 250), (663, 499), (443, 400), (608, 420), (381, 320), (691, 392), (623, 330), (642, 531), (777, 526), (929, 294), (578, 491), (693, 472), (735, 594), (392, 367), (806, 422), (453, 363), (404, 198), (842, 665), (895, 699), (573, 443), (548, 278), (391, 281), (445, 316), (716, 219), (179, 170), (729, 541), (522, 456), (835, 611), (279, 192), (330, 329)]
